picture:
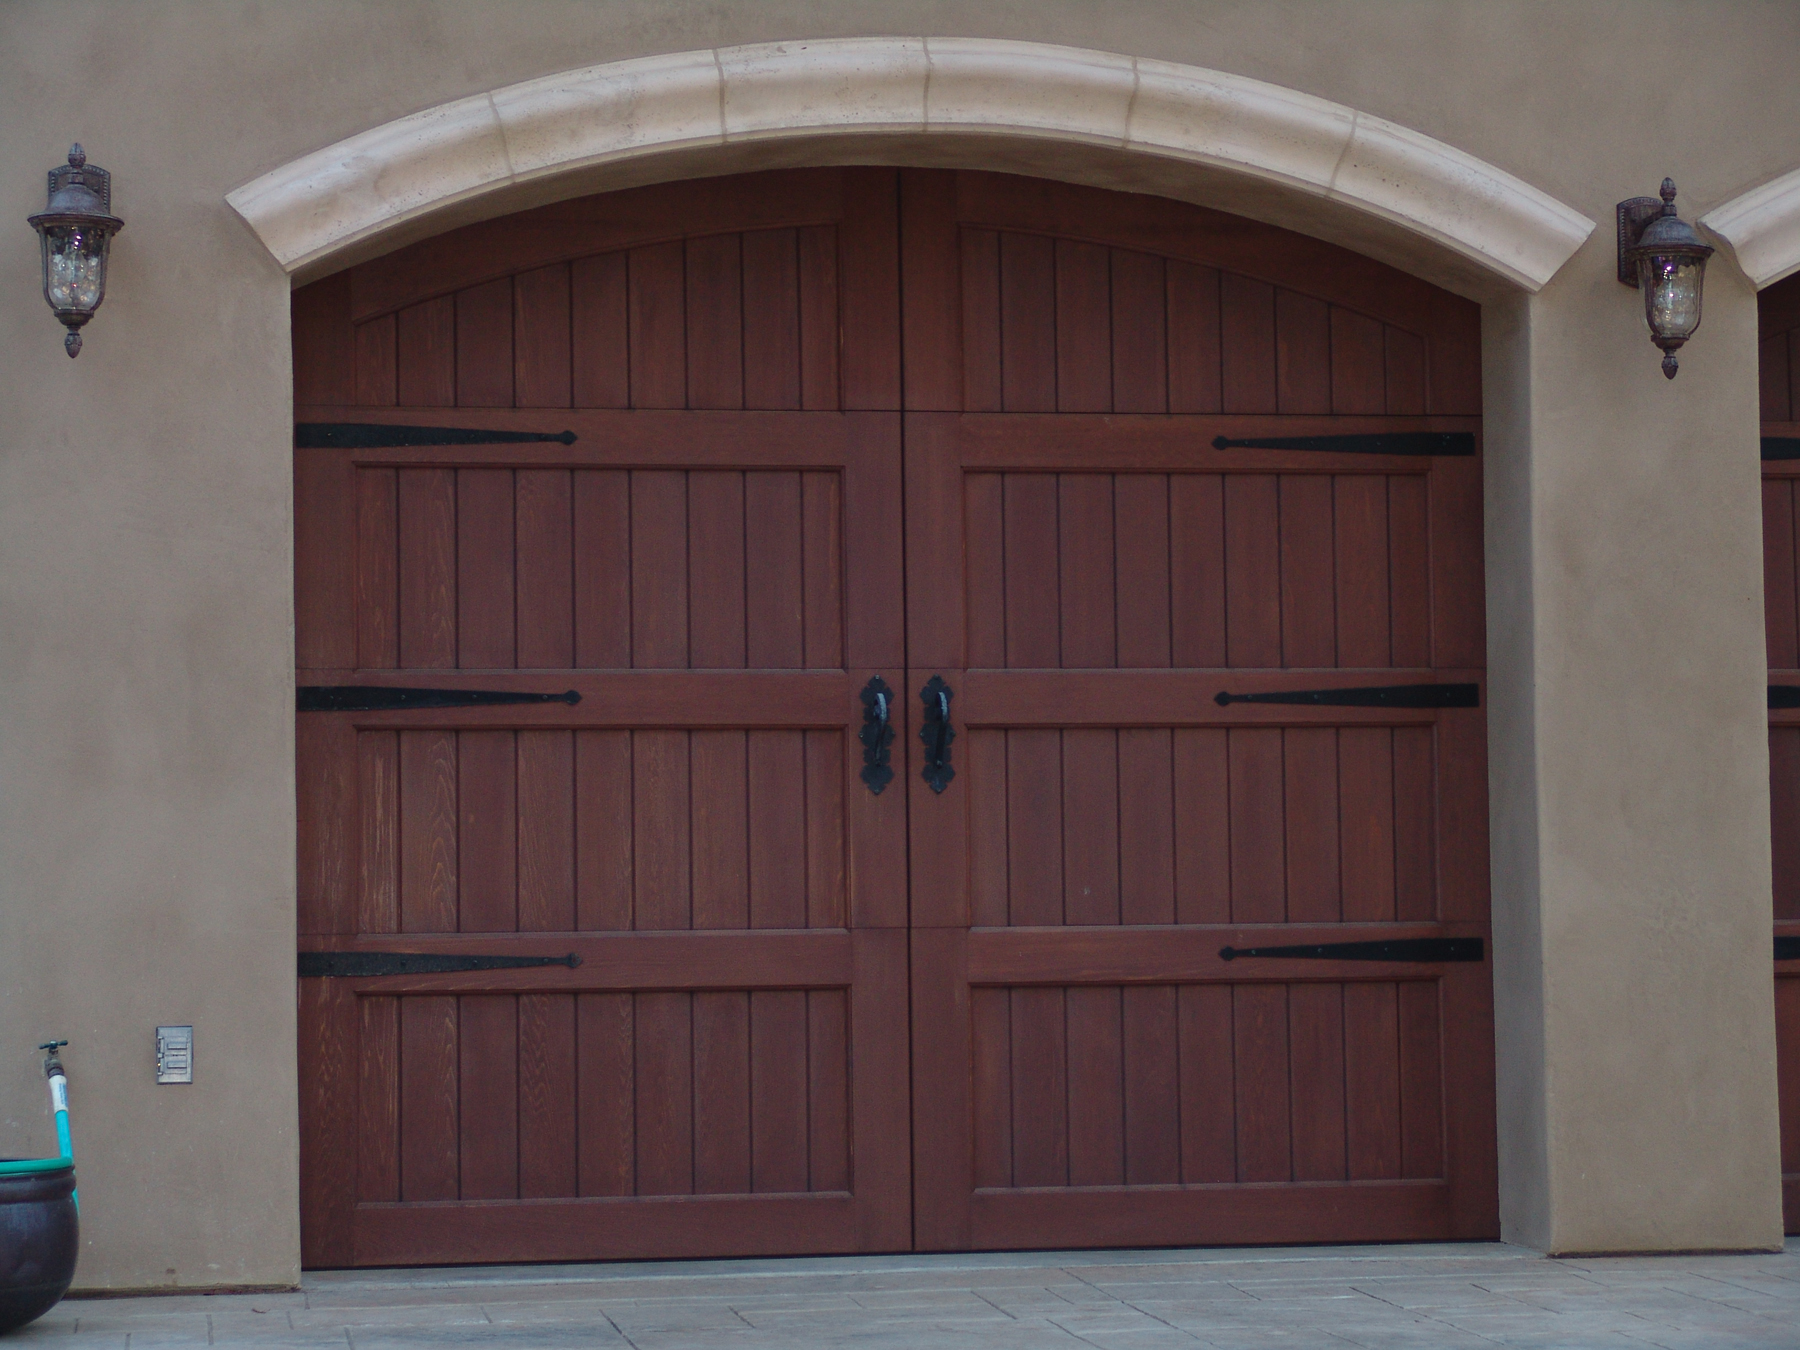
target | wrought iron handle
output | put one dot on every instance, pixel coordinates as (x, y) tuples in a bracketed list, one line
[(937, 733), (877, 734)]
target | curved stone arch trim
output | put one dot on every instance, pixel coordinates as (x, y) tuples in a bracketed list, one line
[(327, 202), (1763, 228)]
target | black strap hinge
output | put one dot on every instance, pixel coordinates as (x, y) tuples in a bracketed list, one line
[(386, 436), (363, 965), (1392, 949), (1374, 443), (1368, 696), (385, 698)]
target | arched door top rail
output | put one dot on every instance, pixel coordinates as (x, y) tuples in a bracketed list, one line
[(328, 203)]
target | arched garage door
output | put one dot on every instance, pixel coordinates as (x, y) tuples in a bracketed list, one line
[(1175, 516)]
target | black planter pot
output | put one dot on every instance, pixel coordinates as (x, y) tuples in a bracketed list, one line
[(39, 1238)]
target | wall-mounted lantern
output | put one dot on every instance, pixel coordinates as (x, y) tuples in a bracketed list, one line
[(76, 229), (1660, 254)]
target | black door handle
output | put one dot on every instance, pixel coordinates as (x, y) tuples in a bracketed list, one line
[(937, 733), (877, 734)]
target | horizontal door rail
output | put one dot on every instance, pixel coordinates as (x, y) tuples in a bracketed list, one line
[(379, 698), (1393, 949), (367, 965), (1365, 443), (1369, 696), (387, 435)]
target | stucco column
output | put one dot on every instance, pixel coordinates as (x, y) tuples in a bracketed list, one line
[(1629, 754)]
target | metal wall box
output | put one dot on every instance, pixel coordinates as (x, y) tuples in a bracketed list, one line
[(174, 1054)]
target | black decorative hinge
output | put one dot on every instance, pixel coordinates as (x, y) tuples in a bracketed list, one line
[(1781, 447), (1393, 949), (1787, 948), (362, 965), (385, 436), (385, 698), (1375, 443), (1784, 696), (937, 733), (877, 734), (1369, 696)]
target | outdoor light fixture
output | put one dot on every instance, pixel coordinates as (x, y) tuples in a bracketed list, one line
[(1660, 254), (76, 230)]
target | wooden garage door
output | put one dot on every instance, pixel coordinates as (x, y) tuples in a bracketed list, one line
[(713, 565), (753, 1055), (1090, 569), (1779, 308)]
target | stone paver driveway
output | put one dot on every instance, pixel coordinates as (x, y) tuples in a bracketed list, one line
[(1436, 1296)]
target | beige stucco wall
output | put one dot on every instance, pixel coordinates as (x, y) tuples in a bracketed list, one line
[(146, 804)]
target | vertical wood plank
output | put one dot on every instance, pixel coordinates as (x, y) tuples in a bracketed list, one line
[(990, 1015), (1360, 517), (378, 1102), (984, 566), (602, 565), (378, 792), (487, 837), (377, 562), (1096, 1086), (775, 625), (1207, 1077), (546, 831), (1366, 822), (1260, 1055), (426, 341), (600, 349), (545, 535), (606, 1088), (324, 363), (1252, 570), (716, 573), (818, 317), (547, 1096), (721, 839), (1784, 814), (428, 817), (771, 265), (1316, 1075), (1415, 824), (377, 362), (1141, 535), (1405, 373), (1787, 1071), (659, 578), (1421, 1081), (1140, 358), (1147, 813), (827, 880), (1247, 345), (485, 616), (1033, 605), (982, 381), (428, 1098), (1152, 1086), (664, 1093), (1034, 778), (1040, 1090), (932, 290), (427, 568), (715, 322), (1780, 617), (778, 1081), (869, 287), (1358, 364), (1197, 569), (1203, 837), (1087, 586), (325, 560), (822, 569), (657, 323), (1310, 804), (1028, 323), (1083, 319), (660, 832), (777, 817), (722, 1093), (604, 831), (1409, 572), (988, 850), (542, 360), (828, 1090), (1372, 1076), (488, 1080), (1258, 828), (1090, 825), (1772, 378), (1308, 585), (1302, 353), (1196, 362), (484, 345)]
